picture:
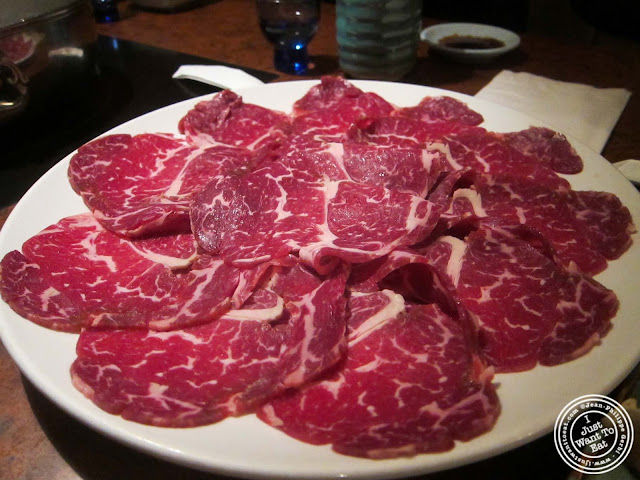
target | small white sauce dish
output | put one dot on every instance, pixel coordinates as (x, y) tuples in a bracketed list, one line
[(434, 34)]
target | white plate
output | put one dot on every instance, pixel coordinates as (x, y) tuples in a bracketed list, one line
[(432, 36), (248, 448)]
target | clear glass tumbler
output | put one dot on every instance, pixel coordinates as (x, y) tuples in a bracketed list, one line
[(378, 39), (289, 25)]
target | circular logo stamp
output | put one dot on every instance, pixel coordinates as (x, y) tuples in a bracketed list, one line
[(593, 434)]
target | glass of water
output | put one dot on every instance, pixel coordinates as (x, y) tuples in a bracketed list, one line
[(289, 25)]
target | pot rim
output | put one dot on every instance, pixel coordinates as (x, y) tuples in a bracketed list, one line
[(67, 8)]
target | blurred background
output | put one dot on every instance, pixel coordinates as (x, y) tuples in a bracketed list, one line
[(578, 20)]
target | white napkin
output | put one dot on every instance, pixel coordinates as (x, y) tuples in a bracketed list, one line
[(629, 168), (218, 76), (584, 112)]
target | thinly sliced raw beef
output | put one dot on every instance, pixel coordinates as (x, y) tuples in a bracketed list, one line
[(260, 216), (584, 227), (409, 168), (263, 305), (181, 378), (283, 208), (225, 119), (494, 152), (251, 279), (318, 326), (528, 308), (409, 385), (579, 234), (386, 220), (327, 110), (608, 222), (399, 131), (315, 159), (144, 184), (408, 273), (456, 146), (370, 310), (75, 273), (485, 152), (547, 146), (174, 251), (458, 199), (336, 92), (229, 367), (411, 275), (443, 108)]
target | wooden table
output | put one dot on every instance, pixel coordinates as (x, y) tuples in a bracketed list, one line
[(40, 441)]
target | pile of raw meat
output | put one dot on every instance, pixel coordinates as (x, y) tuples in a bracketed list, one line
[(352, 272)]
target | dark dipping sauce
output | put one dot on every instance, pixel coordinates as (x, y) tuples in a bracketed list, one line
[(470, 42)]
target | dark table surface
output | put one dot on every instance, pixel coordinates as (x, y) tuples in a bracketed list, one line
[(138, 54)]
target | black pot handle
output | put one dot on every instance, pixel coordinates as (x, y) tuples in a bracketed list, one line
[(13, 86)]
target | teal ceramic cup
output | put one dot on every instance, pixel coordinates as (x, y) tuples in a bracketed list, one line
[(378, 39)]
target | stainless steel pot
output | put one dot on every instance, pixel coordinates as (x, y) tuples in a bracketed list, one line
[(44, 44)]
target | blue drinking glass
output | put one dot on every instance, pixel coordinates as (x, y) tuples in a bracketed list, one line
[(289, 25), (105, 11)]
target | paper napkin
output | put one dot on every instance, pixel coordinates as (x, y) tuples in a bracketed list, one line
[(584, 112), (218, 76)]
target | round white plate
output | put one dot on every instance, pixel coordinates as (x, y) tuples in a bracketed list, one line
[(248, 448), (432, 36)]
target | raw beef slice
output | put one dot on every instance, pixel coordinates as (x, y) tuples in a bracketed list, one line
[(607, 221), (286, 208), (225, 119), (75, 274), (528, 308), (316, 306), (400, 131), (327, 110), (229, 367), (408, 168), (181, 378), (546, 146), (412, 276), (409, 385), (442, 109), (486, 153), (586, 228), (143, 184)]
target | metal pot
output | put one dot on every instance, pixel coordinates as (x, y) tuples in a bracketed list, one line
[(45, 46)]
